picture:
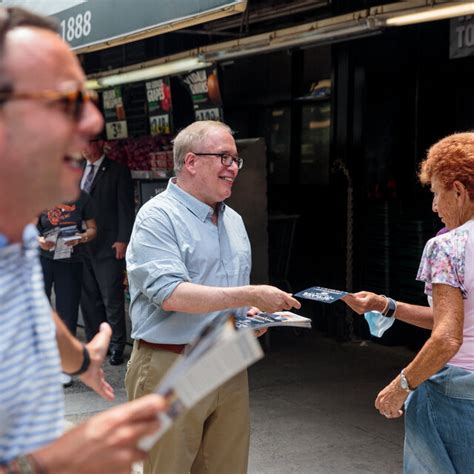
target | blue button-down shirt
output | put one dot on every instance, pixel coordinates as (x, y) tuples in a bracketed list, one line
[(175, 241)]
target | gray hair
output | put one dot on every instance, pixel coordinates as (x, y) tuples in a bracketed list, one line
[(191, 136)]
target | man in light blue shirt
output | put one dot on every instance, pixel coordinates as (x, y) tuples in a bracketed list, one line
[(188, 263)]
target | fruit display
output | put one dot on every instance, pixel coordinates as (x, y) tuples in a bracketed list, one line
[(143, 153)]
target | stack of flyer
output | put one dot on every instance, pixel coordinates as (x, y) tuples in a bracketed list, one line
[(217, 354), (266, 320)]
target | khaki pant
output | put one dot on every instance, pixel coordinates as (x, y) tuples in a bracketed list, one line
[(211, 438)]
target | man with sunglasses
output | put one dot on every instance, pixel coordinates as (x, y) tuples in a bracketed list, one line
[(188, 263), (46, 120)]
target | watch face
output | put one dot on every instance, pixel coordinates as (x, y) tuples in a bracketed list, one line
[(403, 383)]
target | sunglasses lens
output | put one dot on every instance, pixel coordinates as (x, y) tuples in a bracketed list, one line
[(80, 99), (93, 97), (79, 104)]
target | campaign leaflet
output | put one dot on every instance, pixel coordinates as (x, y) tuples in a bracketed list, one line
[(216, 355), (266, 320), (318, 293)]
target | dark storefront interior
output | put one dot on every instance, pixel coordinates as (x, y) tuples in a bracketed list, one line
[(392, 96)]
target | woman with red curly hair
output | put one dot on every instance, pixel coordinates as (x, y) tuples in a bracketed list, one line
[(437, 387)]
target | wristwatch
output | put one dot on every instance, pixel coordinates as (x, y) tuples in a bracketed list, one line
[(404, 382)]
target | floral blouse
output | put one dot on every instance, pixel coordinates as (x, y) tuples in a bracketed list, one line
[(444, 261)]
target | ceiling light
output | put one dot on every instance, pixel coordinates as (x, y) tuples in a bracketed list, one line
[(277, 43), (150, 72), (433, 14)]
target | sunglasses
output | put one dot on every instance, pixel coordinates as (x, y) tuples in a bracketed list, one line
[(72, 102)]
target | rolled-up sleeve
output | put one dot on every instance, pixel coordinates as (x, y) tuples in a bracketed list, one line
[(155, 264)]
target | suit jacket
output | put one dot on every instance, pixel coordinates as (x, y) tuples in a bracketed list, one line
[(113, 198)]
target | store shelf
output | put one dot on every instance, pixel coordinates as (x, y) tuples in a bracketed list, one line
[(151, 174)]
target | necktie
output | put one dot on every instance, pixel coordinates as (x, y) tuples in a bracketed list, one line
[(89, 178)]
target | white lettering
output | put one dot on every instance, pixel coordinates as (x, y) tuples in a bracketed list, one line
[(75, 27), (199, 88), (469, 35), (460, 35)]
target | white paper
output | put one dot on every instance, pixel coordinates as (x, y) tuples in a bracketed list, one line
[(71, 238), (62, 250), (215, 358), (267, 320)]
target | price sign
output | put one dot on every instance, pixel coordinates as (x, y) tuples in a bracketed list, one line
[(208, 114), (160, 106), (159, 124), (114, 113), (116, 130), (203, 85)]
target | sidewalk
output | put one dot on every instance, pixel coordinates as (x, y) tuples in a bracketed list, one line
[(311, 404)]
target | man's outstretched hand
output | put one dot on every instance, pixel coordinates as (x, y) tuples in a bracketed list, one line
[(94, 377)]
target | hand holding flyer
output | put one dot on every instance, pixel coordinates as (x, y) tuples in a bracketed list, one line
[(324, 295), (219, 353)]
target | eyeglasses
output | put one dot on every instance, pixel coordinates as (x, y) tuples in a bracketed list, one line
[(73, 102), (226, 159)]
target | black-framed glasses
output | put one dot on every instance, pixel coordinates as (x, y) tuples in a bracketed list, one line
[(226, 159), (73, 101)]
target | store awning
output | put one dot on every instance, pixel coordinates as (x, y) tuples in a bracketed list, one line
[(88, 25)]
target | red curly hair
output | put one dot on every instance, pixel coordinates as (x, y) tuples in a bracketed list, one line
[(451, 159)]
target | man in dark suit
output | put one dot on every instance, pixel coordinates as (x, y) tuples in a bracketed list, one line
[(111, 188)]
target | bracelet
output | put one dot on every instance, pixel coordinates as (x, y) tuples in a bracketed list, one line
[(392, 308), (85, 362), (24, 465), (38, 467)]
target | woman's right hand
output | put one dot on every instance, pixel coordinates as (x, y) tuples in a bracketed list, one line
[(364, 301), (45, 244)]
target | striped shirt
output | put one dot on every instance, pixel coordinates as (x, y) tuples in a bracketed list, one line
[(31, 395)]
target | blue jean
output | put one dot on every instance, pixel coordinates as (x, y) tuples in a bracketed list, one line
[(439, 424)]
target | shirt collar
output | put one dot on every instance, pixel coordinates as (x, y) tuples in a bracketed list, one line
[(97, 163), (200, 209), (29, 237)]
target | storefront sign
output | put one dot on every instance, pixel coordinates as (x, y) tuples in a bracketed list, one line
[(114, 114), (100, 23), (203, 86), (158, 94), (461, 42)]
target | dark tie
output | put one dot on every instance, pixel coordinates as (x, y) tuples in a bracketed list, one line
[(89, 178)]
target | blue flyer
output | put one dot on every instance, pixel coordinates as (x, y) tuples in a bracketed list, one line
[(324, 295)]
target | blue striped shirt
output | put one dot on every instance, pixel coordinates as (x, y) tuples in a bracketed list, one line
[(175, 241), (31, 395)]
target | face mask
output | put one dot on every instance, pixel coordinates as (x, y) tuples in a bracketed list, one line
[(378, 323)]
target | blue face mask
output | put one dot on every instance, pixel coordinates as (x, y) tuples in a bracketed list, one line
[(378, 323)]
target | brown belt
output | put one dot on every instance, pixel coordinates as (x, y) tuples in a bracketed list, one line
[(176, 348)]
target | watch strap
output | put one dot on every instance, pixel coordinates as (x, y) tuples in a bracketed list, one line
[(404, 385)]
